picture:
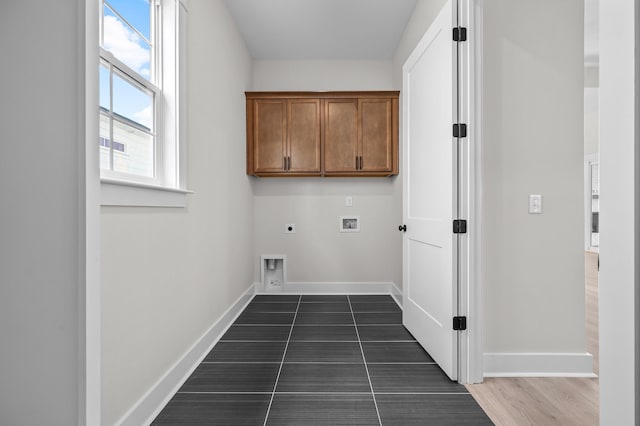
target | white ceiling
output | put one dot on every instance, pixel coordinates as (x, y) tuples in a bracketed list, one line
[(321, 29), (345, 29)]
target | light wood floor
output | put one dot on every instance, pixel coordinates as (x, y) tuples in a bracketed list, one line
[(549, 401), (591, 308)]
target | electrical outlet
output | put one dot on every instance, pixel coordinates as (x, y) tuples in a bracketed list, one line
[(290, 228)]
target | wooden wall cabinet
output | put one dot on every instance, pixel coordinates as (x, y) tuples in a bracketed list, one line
[(283, 137), (322, 133)]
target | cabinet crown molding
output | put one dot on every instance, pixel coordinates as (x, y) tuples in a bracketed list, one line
[(323, 95)]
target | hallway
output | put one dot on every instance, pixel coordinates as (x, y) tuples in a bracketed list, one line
[(320, 360), (550, 400)]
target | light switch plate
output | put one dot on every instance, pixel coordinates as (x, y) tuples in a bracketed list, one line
[(535, 204), (348, 201)]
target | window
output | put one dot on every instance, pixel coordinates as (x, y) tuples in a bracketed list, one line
[(139, 83)]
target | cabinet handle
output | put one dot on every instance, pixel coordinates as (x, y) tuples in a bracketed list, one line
[(361, 163), (289, 162), (356, 162), (286, 163)]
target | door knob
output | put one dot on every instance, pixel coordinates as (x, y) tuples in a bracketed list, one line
[(402, 228)]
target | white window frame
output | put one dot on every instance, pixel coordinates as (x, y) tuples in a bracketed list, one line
[(168, 188)]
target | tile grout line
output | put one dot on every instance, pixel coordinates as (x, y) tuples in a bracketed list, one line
[(271, 395), (311, 325), (288, 362), (295, 362), (366, 368), (322, 393), (275, 385)]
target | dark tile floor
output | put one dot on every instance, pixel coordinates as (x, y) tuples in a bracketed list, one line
[(320, 360)]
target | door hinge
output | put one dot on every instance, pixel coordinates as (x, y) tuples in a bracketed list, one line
[(459, 130), (459, 226), (459, 323), (460, 34)]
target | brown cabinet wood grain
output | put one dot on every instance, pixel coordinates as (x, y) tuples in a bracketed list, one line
[(375, 139), (322, 133), (340, 135), (304, 136), (284, 137), (270, 129)]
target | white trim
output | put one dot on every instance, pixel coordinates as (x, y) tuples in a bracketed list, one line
[(507, 364), (119, 193), (336, 288), (155, 399), (472, 357), (465, 195), (89, 304), (117, 67), (619, 289), (182, 87), (396, 293), (170, 86)]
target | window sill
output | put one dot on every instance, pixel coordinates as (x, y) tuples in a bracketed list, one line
[(129, 194)]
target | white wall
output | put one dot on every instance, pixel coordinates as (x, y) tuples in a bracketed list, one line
[(41, 179), (620, 213), (423, 15), (318, 252), (591, 120), (321, 75), (591, 110), (169, 274), (533, 121)]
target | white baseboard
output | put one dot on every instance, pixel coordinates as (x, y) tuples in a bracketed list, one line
[(538, 365), (150, 405), (336, 288), (396, 293)]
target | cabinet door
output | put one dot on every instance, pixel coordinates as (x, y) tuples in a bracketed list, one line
[(269, 135), (304, 136), (375, 135), (340, 135)]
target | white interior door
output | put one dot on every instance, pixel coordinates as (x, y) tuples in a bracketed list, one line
[(430, 191)]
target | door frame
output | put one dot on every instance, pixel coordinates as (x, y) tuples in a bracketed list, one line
[(469, 282), (470, 347)]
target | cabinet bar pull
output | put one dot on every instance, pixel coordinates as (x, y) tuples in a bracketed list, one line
[(361, 166), (289, 162), (356, 162)]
